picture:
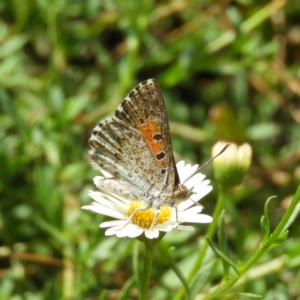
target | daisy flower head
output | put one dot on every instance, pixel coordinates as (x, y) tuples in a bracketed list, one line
[(131, 223)]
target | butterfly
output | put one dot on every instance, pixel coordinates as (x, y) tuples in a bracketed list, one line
[(134, 147)]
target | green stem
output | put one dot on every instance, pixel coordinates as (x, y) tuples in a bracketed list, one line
[(68, 274), (260, 252), (149, 250), (210, 233)]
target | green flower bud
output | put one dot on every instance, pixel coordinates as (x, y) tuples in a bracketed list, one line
[(231, 166)]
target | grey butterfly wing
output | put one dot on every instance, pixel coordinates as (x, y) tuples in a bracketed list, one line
[(123, 153), (135, 146), (144, 109)]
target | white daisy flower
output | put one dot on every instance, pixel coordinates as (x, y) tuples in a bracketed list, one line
[(121, 209)]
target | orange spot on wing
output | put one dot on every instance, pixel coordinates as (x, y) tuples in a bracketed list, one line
[(148, 130)]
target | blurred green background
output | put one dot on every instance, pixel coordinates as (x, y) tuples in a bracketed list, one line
[(228, 70)]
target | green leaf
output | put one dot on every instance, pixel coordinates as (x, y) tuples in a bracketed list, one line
[(178, 272), (265, 228), (282, 237), (292, 218), (223, 242), (202, 277), (265, 221), (239, 295), (124, 292), (222, 255)]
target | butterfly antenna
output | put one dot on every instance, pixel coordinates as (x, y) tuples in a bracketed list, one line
[(209, 161)]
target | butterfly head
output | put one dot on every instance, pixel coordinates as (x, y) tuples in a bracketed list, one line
[(181, 193)]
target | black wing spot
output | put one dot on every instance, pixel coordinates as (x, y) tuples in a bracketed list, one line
[(139, 87), (131, 94), (157, 137), (160, 155)]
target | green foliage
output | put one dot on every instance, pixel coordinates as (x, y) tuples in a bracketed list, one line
[(228, 71)]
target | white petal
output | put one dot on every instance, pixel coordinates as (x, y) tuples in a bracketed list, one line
[(112, 223), (126, 231), (185, 227), (187, 171), (122, 233), (170, 222), (180, 166), (113, 230), (135, 232), (201, 192), (152, 233), (191, 211), (202, 184), (195, 180), (100, 205), (164, 227), (108, 200), (100, 209), (98, 196), (184, 205), (199, 218)]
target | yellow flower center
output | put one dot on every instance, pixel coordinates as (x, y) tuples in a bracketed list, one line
[(144, 218)]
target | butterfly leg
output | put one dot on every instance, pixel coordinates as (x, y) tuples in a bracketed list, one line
[(132, 215), (157, 212), (176, 213), (190, 192)]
